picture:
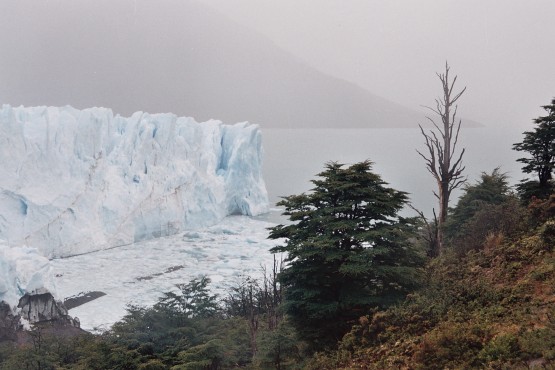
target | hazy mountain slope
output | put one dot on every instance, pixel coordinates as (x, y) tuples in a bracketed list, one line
[(171, 56)]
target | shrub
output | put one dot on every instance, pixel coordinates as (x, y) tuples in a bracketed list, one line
[(501, 348), (506, 219), (538, 343), (451, 345)]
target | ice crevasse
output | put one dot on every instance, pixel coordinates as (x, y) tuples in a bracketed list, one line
[(75, 181)]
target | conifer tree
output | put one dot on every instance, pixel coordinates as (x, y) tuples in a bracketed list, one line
[(490, 189), (347, 251), (540, 145), (485, 209)]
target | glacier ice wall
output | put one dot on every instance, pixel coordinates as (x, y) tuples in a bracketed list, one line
[(23, 270), (74, 181)]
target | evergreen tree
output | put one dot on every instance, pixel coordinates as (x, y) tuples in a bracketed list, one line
[(540, 144), (347, 251), (484, 209), (491, 189)]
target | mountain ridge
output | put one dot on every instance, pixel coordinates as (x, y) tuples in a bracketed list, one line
[(176, 56)]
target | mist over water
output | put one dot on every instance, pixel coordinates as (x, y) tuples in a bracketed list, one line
[(292, 157)]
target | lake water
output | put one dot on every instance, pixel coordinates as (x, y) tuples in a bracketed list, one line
[(294, 156)]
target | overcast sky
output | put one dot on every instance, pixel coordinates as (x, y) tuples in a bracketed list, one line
[(501, 49)]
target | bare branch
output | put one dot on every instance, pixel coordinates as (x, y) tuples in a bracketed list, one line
[(452, 85), (457, 184), (456, 140), (453, 170), (458, 96), (452, 125), (434, 123)]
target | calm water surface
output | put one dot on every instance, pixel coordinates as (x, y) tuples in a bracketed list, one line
[(294, 156)]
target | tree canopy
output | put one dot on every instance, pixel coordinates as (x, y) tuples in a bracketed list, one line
[(485, 208), (347, 249), (540, 145), (491, 189)]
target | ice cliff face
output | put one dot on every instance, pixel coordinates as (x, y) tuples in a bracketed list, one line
[(23, 271), (27, 291), (76, 181)]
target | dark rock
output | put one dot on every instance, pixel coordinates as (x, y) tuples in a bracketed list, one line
[(43, 312), (9, 323), (39, 308)]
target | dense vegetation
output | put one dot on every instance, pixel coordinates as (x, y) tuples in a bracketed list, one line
[(489, 307), (348, 251), (355, 293), (190, 329)]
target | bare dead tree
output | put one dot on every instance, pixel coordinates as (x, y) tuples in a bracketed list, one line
[(273, 294), (430, 229), (441, 160)]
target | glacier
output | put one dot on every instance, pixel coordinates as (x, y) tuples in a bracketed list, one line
[(76, 181), (23, 271)]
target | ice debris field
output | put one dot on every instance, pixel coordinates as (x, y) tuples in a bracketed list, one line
[(138, 274), (138, 205)]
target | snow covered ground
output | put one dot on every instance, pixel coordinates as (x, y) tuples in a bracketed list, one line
[(138, 274)]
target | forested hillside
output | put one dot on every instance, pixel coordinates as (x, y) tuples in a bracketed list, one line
[(490, 307)]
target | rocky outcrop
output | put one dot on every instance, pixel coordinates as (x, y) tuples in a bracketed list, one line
[(40, 308), (35, 309), (9, 323)]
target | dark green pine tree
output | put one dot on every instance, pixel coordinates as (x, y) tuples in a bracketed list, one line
[(347, 249), (540, 144), (485, 209), (492, 189)]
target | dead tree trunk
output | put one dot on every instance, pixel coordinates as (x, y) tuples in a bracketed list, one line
[(441, 160)]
